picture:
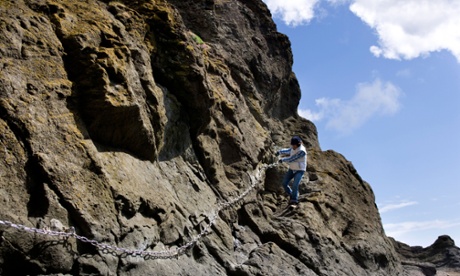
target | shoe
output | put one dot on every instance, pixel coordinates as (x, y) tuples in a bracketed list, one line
[(293, 202), (293, 205)]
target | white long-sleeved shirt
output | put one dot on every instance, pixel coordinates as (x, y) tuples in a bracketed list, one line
[(297, 158)]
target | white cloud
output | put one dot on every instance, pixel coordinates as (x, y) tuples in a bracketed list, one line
[(390, 207), (310, 115), (338, 2), (406, 29), (398, 230), (411, 28), (371, 99), (292, 12)]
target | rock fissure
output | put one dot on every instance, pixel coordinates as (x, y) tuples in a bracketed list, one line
[(269, 236), (133, 120)]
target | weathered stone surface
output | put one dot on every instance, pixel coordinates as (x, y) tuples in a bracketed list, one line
[(439, 258), (131, 121)]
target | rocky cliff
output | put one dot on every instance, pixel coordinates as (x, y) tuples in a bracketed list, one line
[(441, 258), (145, 130)]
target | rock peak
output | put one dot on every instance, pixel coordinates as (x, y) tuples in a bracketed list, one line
[(149, 126), (442, 256), (444, 241)]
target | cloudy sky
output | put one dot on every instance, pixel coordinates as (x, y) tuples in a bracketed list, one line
[(381, 81)]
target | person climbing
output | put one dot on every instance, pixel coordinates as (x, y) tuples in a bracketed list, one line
[(296, 157)]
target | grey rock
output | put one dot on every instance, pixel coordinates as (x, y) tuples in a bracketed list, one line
[(132, 121), (441, 256)]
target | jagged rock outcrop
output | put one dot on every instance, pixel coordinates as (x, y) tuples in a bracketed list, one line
[(132, 121), (442, 257)]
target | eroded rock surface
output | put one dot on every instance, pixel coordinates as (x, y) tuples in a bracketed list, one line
[(131, 121), (440, 258)]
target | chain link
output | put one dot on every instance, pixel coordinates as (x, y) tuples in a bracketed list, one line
[(147, 255)]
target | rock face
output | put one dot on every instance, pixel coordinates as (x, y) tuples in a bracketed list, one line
[(442, 256), (134, 122)]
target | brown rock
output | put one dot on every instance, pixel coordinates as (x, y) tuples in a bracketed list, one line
[(133, 121)]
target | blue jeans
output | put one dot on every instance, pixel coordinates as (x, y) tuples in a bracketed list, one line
[(294, 192)]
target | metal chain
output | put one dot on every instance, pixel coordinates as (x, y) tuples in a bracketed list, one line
[(147, 255)]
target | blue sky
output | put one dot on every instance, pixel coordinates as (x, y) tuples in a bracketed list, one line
[(381, 81)]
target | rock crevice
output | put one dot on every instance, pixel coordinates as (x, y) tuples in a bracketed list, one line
[(134, 121)]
